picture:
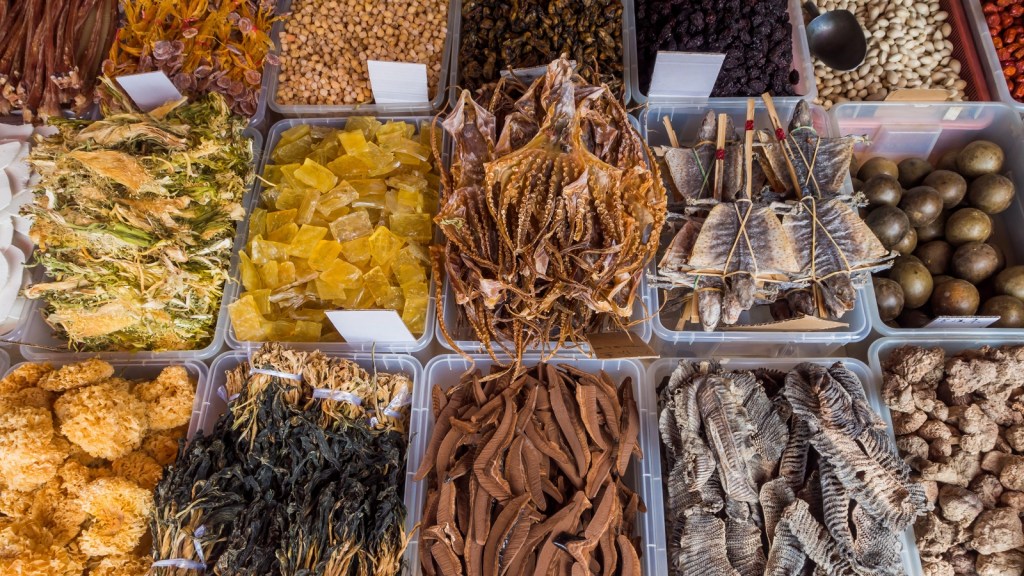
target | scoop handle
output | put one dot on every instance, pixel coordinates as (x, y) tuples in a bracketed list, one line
[(812, 9)]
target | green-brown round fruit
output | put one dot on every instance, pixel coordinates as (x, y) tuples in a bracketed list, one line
[(955, 298), (999, 255), (951, 186), (913, 319), (908, 243), (889, 296), (935, 230), (922, 205), (947, 161), (915, 280), (991, 193), (1009, 309), (940, 278), (912, 171), (974, 262), (889, 223), (968, 225), (1011, 282), (935, 255), (979, 158), (878, 165), (882, 190)]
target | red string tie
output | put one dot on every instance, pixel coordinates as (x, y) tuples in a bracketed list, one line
[(780, 134), (750, 125), (720, 154)]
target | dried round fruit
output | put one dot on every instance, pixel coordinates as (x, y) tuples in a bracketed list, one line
[(955, 298)]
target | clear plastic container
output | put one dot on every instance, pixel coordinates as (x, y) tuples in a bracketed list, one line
[(210, 406), (987, 54), (40, 343), (807, 87), (898, 131), (234, 289), (5, 361), (446, 371), (437, 101), (661, 369), (740, 340)]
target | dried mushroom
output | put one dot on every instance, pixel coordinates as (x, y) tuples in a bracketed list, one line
[(768, 473), (525, 474), (968, 412)]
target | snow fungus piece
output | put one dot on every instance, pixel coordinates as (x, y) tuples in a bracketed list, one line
[(106, 420)]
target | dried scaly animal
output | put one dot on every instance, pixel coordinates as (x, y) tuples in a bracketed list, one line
[(550, 223)]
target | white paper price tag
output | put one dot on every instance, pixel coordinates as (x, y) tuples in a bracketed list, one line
[(398, 82), (684, 75), (360, 326), (962, 322), (149, 90)]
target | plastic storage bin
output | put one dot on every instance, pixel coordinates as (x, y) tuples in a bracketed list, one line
[(446, 371), (740, 340), (5, 361), (661, 369), (438, 100), (806, 88), (986, 50), (38, 341), (898, 131), (232, 292), (210, 406)]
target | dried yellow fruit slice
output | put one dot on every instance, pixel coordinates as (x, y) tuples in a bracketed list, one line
[(341, 274), (246, 319), (323, 254), (352, 226), (302, 244)]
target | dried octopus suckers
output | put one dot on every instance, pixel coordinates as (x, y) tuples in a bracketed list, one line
[(527, 474), (792, 239), (303, 474), (550, 222), (772, 476)]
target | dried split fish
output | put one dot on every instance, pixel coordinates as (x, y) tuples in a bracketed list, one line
[(765, 476), (302, 475), (525, 474), (549, 223)]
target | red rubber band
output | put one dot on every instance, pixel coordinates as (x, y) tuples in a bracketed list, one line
[(720, 154), (750, 125), (780, 134)]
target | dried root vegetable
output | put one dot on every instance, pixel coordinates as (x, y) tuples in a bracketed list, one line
[(302, 475), (549, 223), (525, 475), (959, 423), (346, 218), (768, 472), (51, 54), (135, 223), (203, 46), (64, 511)]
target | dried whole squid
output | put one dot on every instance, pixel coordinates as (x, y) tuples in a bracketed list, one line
[(549, 221), (771, 473), (525, 476)]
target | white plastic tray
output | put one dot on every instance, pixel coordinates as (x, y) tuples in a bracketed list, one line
[(987, 54), (661, 369), (445, 371)]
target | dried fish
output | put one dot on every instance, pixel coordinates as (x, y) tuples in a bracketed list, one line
[(543, 488), (804, 472)]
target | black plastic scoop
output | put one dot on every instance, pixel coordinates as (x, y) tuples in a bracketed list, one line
[(836, 38)]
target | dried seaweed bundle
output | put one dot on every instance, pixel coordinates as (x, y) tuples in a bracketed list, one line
[(135, 223), (302, 475), (525, 476), (768, 474), (51, 54), (549, 223)]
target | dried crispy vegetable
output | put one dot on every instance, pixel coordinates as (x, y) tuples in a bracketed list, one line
[(138, 260), (302, 475), (106, 419), (51, 54), (525, 475), (203, 46), (118, 510), (550, 222), (766, 474)]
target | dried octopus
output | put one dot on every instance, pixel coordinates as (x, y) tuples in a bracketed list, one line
[(772, 473), (809, 264), (549, 223), (525, 476)]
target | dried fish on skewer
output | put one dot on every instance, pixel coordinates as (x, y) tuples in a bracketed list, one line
[(525, 475), (767, 474), (549, 224)]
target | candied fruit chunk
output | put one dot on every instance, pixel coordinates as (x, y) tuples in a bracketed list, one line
[(353, 141), (280, 330), (408, 269), (306, 331), (289, 197), (323, 254), (384, 246), (250, 275), (304, 241), (293, 151), (377, 160), (384, 293), (414, 313), (285, 273), (307, 208), (262, 298), (341, 274), (294, 133), (347, 167), (337, 198), (264, 251), (284, 234), (246, 319), (360, 299), (408, 182), (327, 291), (418, 227), (270, 274), (368, 124), (356, 251), (279, 218), (257, 223), (316, 176), (352, 226), (369, 187)]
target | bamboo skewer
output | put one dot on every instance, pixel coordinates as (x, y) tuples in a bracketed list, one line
[(672, 138), (777, 125), (748, 151), (719, 159)]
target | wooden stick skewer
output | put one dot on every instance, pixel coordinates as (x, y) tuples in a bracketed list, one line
[(777, 125), (672, 138), (748, 150), (719, 159)]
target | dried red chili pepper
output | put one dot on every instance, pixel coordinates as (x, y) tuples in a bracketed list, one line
[(1005, 19)]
